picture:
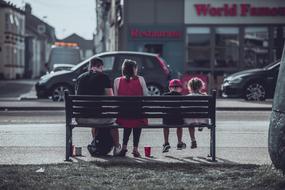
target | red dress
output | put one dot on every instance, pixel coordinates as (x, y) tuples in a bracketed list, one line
[(132, 87)]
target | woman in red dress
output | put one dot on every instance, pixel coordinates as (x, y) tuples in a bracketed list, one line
[(130, 84)]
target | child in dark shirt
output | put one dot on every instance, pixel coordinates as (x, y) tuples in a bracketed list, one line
[(175, 89)]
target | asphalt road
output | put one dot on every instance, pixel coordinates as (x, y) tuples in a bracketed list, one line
[(39, 137)]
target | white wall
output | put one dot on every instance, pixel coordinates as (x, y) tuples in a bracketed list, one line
[(12, 54)]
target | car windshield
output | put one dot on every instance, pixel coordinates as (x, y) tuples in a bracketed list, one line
[(83, 62), (62, 68), (64, 55), (272, 65), (80, 64)]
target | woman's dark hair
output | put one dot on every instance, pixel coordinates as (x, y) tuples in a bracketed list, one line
[(128, 68), (195, 84)]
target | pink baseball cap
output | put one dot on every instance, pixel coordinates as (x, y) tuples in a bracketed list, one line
[(175, 83)]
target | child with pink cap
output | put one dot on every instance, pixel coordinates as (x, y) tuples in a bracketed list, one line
[(175, 89)]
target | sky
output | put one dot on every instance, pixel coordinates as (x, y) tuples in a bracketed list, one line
[(66, 16)]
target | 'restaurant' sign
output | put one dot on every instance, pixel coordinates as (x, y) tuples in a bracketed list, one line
[(138, 33), (237, 10)]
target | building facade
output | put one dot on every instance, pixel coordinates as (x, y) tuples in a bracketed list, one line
[(211, 37), (25, 42), (39, 38), (224, 36), (12, 41), (102, 36)]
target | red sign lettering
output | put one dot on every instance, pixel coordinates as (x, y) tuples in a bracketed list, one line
[(136, 33), (232, 10), (244, 9), (267, 11), (207, 9), (201, 9)]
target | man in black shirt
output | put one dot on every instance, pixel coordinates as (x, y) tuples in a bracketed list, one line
[(95, 82)]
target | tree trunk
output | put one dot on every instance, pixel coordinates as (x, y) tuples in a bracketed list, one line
[(276, 135)]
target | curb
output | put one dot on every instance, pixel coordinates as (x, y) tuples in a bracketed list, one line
[(244, 109), (31, 108), (27, 98)]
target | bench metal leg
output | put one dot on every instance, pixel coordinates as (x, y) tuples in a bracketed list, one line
[(213, 144), (68, 150)]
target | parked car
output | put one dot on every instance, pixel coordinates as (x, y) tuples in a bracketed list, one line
[(252, 84), (151, 66)]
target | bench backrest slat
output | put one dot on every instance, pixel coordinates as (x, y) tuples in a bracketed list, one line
[(143, 103), (136, 98), (134, 115)]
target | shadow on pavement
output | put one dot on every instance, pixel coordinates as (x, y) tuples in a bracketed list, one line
[(144, 160)]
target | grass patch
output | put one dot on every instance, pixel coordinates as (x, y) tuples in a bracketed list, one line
[(125, 175)]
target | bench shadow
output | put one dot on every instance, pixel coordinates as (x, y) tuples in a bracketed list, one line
[(170, 163), (108, 159), (200, 159)]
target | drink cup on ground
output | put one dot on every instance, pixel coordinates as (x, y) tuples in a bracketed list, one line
[(147, 151)]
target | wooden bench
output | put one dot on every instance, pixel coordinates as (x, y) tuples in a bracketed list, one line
[(86, 106)]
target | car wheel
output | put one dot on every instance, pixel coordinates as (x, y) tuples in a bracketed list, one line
[(255, 92), (58, 92), (154, 90)]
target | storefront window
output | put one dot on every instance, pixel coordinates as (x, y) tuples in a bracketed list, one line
[(226, 47), (256, 53), (198, 47), (278, 42)]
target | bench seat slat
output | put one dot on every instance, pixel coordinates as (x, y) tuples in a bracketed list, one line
[(143, 103), (148, 126), (176, 103)]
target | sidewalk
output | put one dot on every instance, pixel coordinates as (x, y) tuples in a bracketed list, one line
[(44, 144), (222, 105), (54, 155)]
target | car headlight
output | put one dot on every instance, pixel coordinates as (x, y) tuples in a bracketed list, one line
[(44, 79), (235, 80)]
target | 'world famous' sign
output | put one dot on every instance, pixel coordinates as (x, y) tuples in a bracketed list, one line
[(237, 10)]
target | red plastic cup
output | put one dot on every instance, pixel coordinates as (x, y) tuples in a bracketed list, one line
[(147, 151)]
